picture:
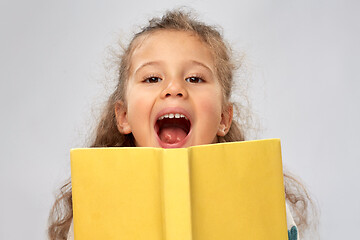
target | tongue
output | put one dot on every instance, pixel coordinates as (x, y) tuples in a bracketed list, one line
[(172, 135)]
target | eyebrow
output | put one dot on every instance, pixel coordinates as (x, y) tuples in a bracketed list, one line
[(202, 64), (146, 64), (159, 63)]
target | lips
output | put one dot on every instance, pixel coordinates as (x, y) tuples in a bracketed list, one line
[(172, 127)]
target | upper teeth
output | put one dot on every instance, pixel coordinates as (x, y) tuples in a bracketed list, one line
[(172, 115)]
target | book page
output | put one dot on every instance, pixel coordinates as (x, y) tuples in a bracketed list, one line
[(237, 191), (116, 193)]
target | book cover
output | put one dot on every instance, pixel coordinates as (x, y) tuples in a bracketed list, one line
[(210, 192)]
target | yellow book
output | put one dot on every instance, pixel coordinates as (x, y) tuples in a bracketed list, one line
[(212, 192)]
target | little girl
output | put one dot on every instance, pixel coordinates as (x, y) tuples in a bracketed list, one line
[(175, 81)]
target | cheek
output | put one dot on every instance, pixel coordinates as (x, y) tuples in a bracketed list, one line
[(210, 108), (138, 111), (138, 107)]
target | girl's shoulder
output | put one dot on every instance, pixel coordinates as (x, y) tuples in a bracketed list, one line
[(71, 232), (293, 232)]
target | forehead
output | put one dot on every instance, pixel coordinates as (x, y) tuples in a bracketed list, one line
[(171, 46)]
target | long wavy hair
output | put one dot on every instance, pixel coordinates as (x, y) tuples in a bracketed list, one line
[(107, 134)]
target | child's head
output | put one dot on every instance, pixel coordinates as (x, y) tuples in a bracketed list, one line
[(175, 81)]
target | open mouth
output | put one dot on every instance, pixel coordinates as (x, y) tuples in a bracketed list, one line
[(172, 128)]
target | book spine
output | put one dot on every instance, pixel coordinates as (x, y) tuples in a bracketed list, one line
[(176, 195)]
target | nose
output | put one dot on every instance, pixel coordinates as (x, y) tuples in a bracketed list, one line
[(175, 88)]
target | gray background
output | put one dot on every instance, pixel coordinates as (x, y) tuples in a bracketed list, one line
[(302, 59)]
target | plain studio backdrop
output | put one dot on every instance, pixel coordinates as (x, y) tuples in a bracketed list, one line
[(303, 66)]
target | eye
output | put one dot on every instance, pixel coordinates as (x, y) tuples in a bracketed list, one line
[(152, 80), (194, 80)]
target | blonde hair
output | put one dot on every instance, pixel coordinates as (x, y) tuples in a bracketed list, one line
[(107, 134)]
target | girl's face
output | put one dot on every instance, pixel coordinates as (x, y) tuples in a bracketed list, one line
[(173, 97)]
